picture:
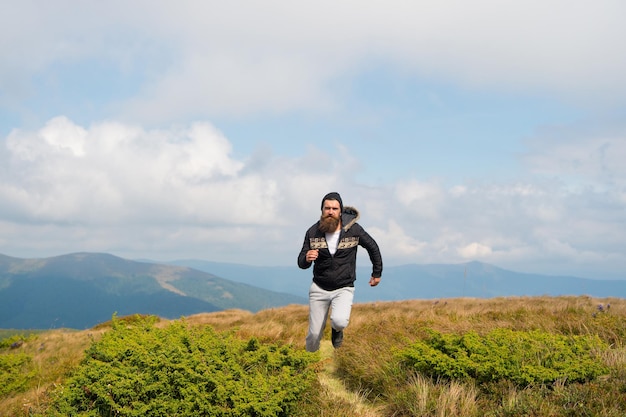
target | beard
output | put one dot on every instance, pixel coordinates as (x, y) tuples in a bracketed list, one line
[(328, 224)]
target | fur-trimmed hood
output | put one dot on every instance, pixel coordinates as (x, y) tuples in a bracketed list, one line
[(349, 217)]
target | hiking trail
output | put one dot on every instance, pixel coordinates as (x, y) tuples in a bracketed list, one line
[(335, 386)]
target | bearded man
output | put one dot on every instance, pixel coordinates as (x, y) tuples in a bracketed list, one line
[(331, 246)]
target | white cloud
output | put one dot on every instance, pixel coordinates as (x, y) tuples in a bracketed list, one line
[(117, 187), (63, 134), (422, 199), (524, 226), (587, 157), (397, 243), (239, 57), (179, 192), (475, 251), (112, 172)]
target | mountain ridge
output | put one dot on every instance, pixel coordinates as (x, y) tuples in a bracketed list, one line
[(80, 290), (423, 281)]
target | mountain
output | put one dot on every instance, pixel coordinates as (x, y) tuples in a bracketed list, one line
[(83, 289), (406, 282), (289, 279), (476, 279)]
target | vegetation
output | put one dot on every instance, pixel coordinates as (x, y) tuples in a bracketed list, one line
[(142, 370), (521, 357), (539, 356)]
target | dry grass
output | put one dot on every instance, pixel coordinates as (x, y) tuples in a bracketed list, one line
[(615, 358), (561, 314), (285, 325), (55, 354), (423, 397), (221, 320)]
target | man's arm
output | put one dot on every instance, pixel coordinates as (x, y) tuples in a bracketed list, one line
[(303, 263), (370, 245)]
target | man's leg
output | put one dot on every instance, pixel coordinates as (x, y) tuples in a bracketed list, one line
[(319, 303), (340, 314)]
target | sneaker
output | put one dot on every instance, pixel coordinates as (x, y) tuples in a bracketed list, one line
[(337, 338)]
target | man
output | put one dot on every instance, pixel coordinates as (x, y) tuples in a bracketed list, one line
[(331, 244)]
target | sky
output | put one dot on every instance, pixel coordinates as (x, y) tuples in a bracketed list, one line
[(491, 130)]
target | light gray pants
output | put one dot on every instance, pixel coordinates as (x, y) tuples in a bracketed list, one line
[(320, 301)]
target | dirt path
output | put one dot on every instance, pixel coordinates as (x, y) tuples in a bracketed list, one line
[(336, 387)]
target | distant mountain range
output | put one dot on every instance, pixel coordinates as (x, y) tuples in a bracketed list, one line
[(84, 289), (472, 279)]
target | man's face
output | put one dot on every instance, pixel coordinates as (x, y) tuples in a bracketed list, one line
[(332, 208), (331, 215)]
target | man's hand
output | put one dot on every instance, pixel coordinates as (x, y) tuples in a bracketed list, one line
[(374, 281), (311, 255)]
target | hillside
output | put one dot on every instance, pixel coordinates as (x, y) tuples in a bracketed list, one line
[(83, 289), (573, 361)]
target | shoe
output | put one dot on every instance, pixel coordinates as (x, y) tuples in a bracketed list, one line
[(337, 338)]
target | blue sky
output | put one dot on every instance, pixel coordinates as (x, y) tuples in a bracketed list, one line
[(487, 130)]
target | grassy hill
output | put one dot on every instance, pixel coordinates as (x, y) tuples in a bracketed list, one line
[(82, 289), (514, 356)]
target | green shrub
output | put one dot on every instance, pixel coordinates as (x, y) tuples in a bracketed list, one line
[(142, 370), (14, 339), (523, 357), (16, 372), (16, 368)]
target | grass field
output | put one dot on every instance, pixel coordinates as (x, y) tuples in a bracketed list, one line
[(368, 377)]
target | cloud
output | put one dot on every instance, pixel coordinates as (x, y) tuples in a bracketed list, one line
[(528, 226), (398, 242), (154, 176), (241, 58), (475, 250), (113, 172), (582, 155), (180, 192), (422, 199), (115, 186)]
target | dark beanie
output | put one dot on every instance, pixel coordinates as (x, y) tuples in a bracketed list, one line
[(333, 196)]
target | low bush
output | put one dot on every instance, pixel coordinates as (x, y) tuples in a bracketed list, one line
[(16, 372), (522, 357), (15, 340), (144, 370)]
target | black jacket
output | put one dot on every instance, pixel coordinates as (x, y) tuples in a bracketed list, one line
[(331, 272)]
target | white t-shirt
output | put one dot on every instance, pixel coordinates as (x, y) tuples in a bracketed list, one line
[(332, 239)]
